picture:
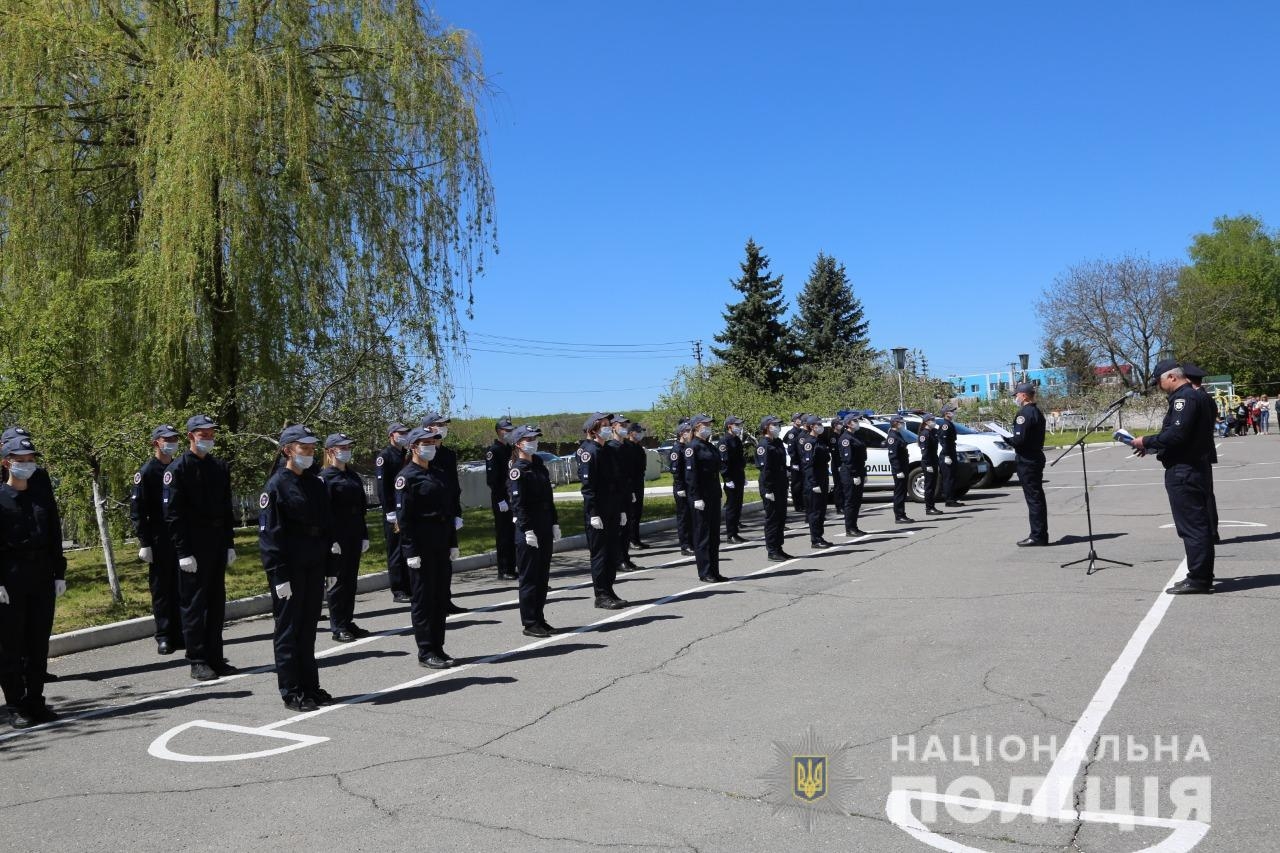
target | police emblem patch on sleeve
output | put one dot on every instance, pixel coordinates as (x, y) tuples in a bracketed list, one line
[(844, 442), (723, 448), (264, 500), (674, 456), (1021, 419), (808, 446), (1178, 404), (489, 455), (378, 461), (584, 456), (688, 451), (759, 451), (515, 474), (168, 477), (399, 482), (137, 478)]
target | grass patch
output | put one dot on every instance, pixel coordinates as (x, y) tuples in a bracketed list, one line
[(1064, 439), (664, 479)]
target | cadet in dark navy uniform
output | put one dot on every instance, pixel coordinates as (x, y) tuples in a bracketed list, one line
[(832, 437), (496, 457), (702, 479), (851, 460), (792, 443), (639, 462), (296, 538), (1028, 443), (351, 533), (815, 466), (601, 508), (622, 460), (197, 510), (446, 463), (424, 508), (537, 526), (733, 472), (928, 442), (1196, 376), (146, 509), (32, 574), (386, 466), (899, 463), (684, 521), (771, 459), (947, 447), (1183, 446)]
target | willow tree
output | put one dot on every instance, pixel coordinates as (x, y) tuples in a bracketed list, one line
[(267, 207)]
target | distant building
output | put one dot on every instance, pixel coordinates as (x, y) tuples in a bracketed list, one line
[(1108, 375), (1050, 381)]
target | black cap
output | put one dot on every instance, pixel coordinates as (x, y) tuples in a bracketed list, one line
[(164, 431), (525, 431), (19, 444), (619, 419), (434, 419), (895, 419), (797, 416), (636, 426), (732, 420), (419, 433), (949, 407), (683, 426), (196, 422), (338, 439), (396, 426), (297, 433), (1193, 371), (595, 418), (768, 420), (699, 420), (504, 423), (1162, 367), (11, 432), (1024, 388), (811, 420)]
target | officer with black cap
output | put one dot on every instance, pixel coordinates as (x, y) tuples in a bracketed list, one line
[(702, 479), (387, 465), (197, 509), (32, 575), (792, 443), (1183, 446), (815, 465), (832, 437), (684, 523), (1028, 444), (947, 447), (928, 443), (899, 463), (602, 507), (620, 426), (851, 461), (351, 532), (636, 468), (146, 509), (537, 526), (297, 536), (1196, 376), (496, 457), (446, 463), (771, 459), (424, 509), (733, 472)]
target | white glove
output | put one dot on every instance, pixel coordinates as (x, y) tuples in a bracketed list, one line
[(928, 469), (187, 564), (769, 496), (899, 475), (455, 553), (144, 554), (682, 494), (231, 556), (59, 587), (364, 545), (623, 519), (284, 590), (330, 583), (699, 505), (555, 532), (857, 481), (391, 518), (946, 460), (414, 562), (502, 506), (336, 549), (457, 524), (817, 490), (633, 498), (4, 595), (728, 484), (597, 522), (531, 539)]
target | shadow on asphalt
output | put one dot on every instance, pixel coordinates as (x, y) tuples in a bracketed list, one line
[(348, 657), (439, 688), (1246, 582), (1076, 539), (1256, 537), (551, 651)]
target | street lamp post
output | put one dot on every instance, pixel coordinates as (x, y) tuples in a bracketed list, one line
[(1024, 358), (900, 362)]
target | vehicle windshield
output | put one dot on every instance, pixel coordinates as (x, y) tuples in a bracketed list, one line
[(911, 436)]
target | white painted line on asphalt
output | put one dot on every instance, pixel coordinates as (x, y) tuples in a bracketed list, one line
[(1216, 481), (1225, 523), (1053, 799)]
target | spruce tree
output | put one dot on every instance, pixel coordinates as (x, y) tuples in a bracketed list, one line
[(757, 342), (831, 327)]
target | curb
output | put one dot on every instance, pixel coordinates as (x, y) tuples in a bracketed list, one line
[(143, 627)]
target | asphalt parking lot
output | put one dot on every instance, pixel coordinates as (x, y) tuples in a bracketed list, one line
[(927, 657)]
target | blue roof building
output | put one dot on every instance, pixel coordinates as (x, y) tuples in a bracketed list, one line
[(1050, 382)]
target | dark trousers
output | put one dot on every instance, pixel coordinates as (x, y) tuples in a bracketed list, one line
[(930, 485), (837, 488), (706, 539), (429, 587), (633, 516), (775, 523), (1189, 494), (504, 534), (797, 489), (397, 571), (948, 481), (1213, 499), (606, 551), (162, 578), (816, 514), (852, 485), (1031, 476), (684, 524), (295, 634), (342, 595), (25, 624), (899, 495), (203, 594), (624, 536), (534, 566), (733, 505)]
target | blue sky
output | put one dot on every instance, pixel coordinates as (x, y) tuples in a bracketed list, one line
[(955, 157)]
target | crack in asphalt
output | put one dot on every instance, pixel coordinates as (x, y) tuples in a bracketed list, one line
[(987, 687)]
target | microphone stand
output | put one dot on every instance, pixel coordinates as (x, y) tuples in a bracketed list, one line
[(1092, 557)]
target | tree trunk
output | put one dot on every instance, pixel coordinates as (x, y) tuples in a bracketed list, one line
[(100, 511)]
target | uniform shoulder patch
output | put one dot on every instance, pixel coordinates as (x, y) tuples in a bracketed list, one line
[(674, 455), (1178, 404), (723, 447), (759, 451), (584, 456), (688, 452), (514, 474), (399, 482), (137, 478), (489, 455), (808, 445), (168, 477), (378, 461), (1021, 419), (264, 500), (844, 442)]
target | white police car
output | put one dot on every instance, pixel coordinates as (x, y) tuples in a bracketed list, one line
[(998, 454)]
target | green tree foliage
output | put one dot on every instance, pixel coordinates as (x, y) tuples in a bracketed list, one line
[(758, 345), (830, 326), (1227, 310), (1076, 362), (272, 211)]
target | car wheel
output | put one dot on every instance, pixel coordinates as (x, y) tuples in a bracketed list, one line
[(915, 484), (988, 479)]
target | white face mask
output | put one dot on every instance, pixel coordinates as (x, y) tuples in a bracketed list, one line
[(402, 439), (704, 432), (606, 433), (205, 445), (343, 456), (621, 433), (169, 448), (736, 430), (22, 470), (301, 462), (530, 447), (426, 452), (444, 430), (773, 431), (818, 429)]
